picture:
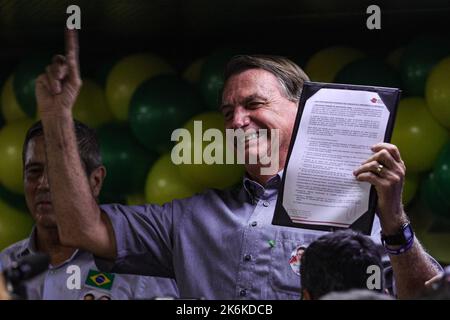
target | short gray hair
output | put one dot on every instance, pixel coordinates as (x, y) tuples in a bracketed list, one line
[(290, 75)]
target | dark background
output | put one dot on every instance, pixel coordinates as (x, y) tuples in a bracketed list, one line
[(182, 30)]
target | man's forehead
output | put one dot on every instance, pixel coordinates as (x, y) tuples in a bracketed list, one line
[(35, 149), (252, 82), (259, 77)]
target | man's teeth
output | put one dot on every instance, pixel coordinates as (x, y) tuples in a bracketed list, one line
[(249, 137)]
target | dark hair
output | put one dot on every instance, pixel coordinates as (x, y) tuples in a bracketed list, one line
[(338, 262), (357, 294), (290, 75), (88, 145)]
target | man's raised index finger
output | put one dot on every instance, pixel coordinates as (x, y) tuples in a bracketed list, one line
[(72, 48)]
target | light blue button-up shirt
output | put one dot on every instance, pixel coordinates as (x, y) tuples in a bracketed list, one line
[(217, 245), (52, 284)]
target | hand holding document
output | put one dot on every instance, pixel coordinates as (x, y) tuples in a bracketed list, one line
[(335, 129)]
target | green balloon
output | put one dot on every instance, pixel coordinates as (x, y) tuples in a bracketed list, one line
[(418, 135), (420, 56), (126, 162), (112, 197), (395, 57), (15, 225), (14, 200), (434, 197), (99, 70), (6, 68), (300, 59), (25, 79), (164, 183), (211, 77), (158, 107), (369, 71), (442, 170)]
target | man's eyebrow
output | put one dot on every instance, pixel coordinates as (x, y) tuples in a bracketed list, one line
[(252, 97), (225, 105), (246, 100)]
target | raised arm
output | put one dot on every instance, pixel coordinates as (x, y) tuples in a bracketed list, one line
[(80, 221), (413, 267)]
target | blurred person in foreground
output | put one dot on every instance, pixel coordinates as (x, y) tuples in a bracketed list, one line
[(339, 262), (60, 281)]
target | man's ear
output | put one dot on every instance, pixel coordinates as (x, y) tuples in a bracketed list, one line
[(306, 295), (96, 180)]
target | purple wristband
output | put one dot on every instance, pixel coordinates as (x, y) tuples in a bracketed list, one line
[(402, 249)]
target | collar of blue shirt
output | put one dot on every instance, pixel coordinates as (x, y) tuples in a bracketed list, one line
[(255, 190), (29, 246)]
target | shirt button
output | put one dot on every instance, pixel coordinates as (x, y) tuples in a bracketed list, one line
[(247, 257), (243, 293), (254, 224), (266, 203)]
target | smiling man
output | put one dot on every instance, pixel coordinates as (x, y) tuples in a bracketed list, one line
[(262, 98), (218, 244), (53, 284)]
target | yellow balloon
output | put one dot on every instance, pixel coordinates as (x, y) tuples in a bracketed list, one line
[(165, 184), (192, 72), (127, 75), (417, 134), (204, 175), (12, 137), (91, 107), (10, 107), (324, 65), (437, 245), (14, 225), (437, 92)]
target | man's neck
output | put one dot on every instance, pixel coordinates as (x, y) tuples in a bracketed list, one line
[(254, 172), (47, 241)]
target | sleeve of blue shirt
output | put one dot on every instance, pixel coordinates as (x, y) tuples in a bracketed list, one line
[(144, 238)]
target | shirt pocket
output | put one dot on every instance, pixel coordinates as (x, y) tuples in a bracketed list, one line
[(282, 276)]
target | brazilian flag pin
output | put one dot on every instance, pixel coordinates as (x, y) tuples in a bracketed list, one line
[(100, 280)]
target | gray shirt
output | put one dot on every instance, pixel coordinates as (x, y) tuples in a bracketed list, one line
[(217, 245), (52, 284)]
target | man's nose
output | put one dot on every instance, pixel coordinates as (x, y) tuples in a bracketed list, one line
[(241, 117), (43, 182)]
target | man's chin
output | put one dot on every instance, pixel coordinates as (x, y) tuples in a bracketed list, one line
[(46, 220), (254, 155)]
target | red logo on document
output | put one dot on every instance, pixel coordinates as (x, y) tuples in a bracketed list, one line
[(374, 100)]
